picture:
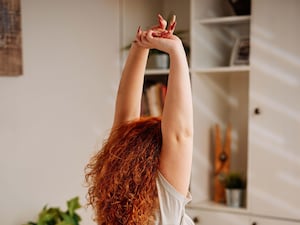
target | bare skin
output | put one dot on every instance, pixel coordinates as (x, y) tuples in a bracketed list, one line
[(177, 117)]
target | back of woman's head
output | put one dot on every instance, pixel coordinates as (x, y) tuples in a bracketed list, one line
[(122, 175)]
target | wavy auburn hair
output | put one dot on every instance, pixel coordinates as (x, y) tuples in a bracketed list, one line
[(121, 177)]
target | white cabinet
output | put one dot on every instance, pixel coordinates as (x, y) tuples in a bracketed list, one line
[(265, 221), (212, 217), (207, 217), (274, 134), (260, 101)]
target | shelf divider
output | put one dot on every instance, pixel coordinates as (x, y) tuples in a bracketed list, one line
[(226, 20), (222, 70), (156, 71)]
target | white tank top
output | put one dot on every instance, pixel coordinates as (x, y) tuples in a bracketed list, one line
[(171, 204)]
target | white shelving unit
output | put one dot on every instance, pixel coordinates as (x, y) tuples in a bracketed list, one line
[(259, 102), (144, 13), (265, 145), (220, 93)]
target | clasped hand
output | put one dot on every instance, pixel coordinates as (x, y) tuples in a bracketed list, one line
[(159, 36)]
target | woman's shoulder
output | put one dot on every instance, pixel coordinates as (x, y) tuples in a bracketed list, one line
[(171, 203)]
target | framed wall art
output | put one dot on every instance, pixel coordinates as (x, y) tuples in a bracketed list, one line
[(10, 38)]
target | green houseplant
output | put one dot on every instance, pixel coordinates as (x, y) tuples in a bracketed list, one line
[(234, 180), (55, 216), (234, 186)]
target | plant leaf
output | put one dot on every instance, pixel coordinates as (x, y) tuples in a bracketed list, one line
[(55, 216), (77, 218), (49, 216), (73, 204), (68, 219), (64, 223)]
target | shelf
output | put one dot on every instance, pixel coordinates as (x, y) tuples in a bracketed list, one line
[(223, 70), (156, 71), (226, 20), (212, 206)]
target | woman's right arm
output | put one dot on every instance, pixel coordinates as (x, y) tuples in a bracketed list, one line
[(177, 123), (177, 117)]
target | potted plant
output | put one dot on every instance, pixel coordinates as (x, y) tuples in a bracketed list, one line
[(55, 216), (234, 187)]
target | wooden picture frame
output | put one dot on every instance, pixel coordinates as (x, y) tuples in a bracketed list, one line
[(10, 38)]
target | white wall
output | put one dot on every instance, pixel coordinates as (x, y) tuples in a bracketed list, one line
[(52, 116)]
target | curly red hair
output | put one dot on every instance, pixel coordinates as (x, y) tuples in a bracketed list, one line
[(121, 177)]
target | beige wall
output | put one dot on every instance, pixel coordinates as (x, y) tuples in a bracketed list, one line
[(52, 116)]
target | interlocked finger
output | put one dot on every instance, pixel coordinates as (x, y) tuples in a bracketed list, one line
[(172, 24), (162, 24)]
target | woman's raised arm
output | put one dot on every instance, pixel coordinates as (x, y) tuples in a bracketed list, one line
[(128, 102), (177, 123), (177, 117)]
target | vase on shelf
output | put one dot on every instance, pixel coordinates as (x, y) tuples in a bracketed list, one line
[(234, 188), (234, 197), (158, 61)]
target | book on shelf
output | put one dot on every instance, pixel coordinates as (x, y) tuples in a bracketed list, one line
[(153, 100)]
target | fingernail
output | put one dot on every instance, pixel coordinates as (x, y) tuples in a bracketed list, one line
[(173, 25), (138, 30)]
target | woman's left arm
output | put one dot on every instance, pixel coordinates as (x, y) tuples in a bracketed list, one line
[(128, 102)]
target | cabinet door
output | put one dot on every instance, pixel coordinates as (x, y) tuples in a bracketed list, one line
[(263, 221), (207, 217), (274, 128)]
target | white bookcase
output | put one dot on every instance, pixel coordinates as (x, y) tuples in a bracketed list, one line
[(220, 91), (144, 13), (259, 99)]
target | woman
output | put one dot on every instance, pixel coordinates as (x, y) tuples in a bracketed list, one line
[(142, 173)]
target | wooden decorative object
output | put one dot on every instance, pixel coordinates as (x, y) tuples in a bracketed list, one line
[(10, 38), (221, 162)]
